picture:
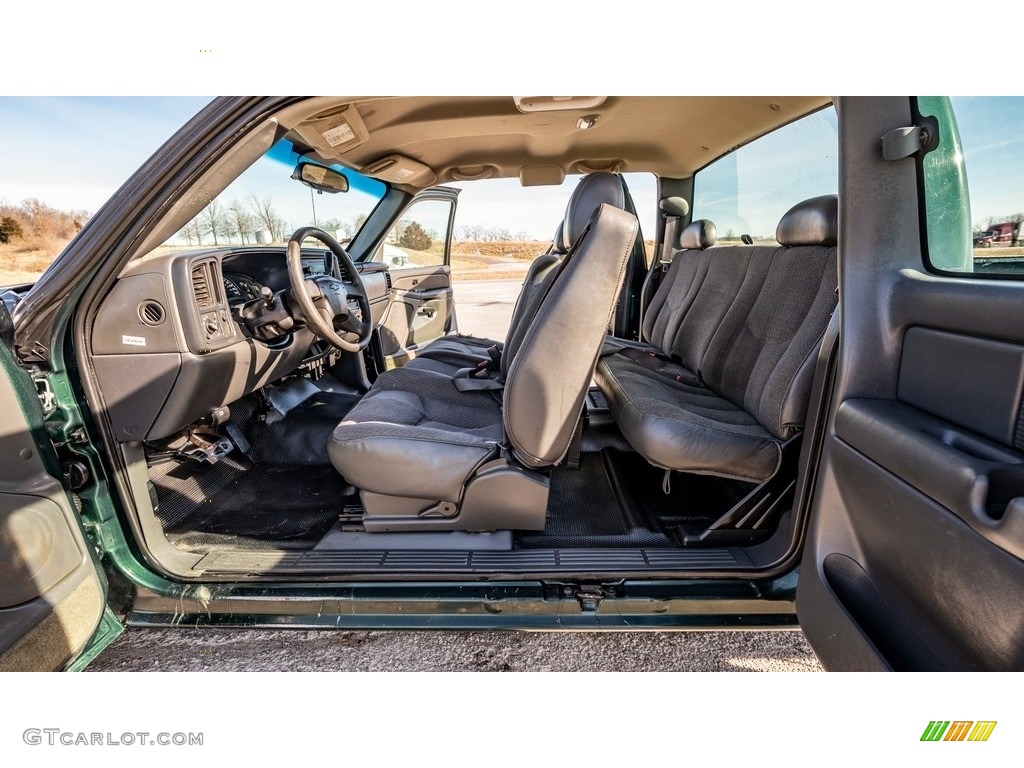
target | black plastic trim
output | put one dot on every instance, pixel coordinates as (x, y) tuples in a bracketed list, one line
[(533, 561)]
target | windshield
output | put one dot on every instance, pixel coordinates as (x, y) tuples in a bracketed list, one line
[(265, 205)]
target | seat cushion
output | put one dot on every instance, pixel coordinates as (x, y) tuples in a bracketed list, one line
[(648, 357), (416, 435), (450, 353), (676, 423)]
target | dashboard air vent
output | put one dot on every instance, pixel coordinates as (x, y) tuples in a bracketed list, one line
[(387, 279), (151, 312), (201, 286)]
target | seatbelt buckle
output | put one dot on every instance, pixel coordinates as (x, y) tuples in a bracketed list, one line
[(481, 370), (494, 352)]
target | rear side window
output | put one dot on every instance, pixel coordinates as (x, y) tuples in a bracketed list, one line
[(747, 191), (974, 185)]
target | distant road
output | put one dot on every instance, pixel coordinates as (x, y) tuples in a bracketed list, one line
[(484, 307)]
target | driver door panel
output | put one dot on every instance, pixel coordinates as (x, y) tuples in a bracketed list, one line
[(52, 597), (421, 310), (417, 252)]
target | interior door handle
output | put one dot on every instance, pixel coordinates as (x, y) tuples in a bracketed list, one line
[(427, 312)]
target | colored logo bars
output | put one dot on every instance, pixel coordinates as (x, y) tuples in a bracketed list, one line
[(958, 730)]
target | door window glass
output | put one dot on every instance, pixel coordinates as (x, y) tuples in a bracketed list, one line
[(974, 185), (749, 190), (420, 238)]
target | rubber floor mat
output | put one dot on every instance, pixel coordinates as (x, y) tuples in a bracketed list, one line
[(283, 493), (300, 437), (584, 510), (696, 500), (252, 506), (616, 499)]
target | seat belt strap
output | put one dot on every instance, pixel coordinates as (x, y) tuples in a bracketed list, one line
[(495, 354), (672, 209), (671, 230), (574, 455), (477, 379)]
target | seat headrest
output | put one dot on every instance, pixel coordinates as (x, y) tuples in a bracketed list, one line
[(674, 206), (593, 190), (812, 222), (700, 234), (557, 245)]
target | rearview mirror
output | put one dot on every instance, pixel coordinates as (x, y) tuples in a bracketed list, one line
[(320, 178)]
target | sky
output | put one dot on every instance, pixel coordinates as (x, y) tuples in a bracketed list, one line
[(93, 144), (74, 152), (992, 135)]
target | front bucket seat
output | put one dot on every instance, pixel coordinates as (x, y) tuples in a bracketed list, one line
[(427, 456)]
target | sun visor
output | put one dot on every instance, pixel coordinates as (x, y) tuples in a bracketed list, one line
[(334, 134), (399, 169), (541, 175)]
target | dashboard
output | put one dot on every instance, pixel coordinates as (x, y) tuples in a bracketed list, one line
[(169, 345), (241, 288)]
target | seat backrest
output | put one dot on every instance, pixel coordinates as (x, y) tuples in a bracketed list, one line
[(593, 190), (534, 284), (553, 360), (728, 271), (762, 355), (680, 284)]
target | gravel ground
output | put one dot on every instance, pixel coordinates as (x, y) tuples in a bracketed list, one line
[(196, 650)]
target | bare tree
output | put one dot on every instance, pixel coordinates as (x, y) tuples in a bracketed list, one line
[(471, 232), (187, 233), (284, 229), (990, 221), (266, 217), (357, 224), (494, 234), (213, 221), (42, 220), (197, 231), (241, 220)]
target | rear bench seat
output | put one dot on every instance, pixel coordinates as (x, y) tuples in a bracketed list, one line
[(733, 331)]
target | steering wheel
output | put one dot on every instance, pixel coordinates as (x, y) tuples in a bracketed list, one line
[(323, 299)]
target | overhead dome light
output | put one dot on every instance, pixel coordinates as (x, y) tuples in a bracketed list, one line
[(557, 103), (587, 121), (598, 166), (473, 173)]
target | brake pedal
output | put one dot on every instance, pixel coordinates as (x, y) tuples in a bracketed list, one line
[(235, 433)]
